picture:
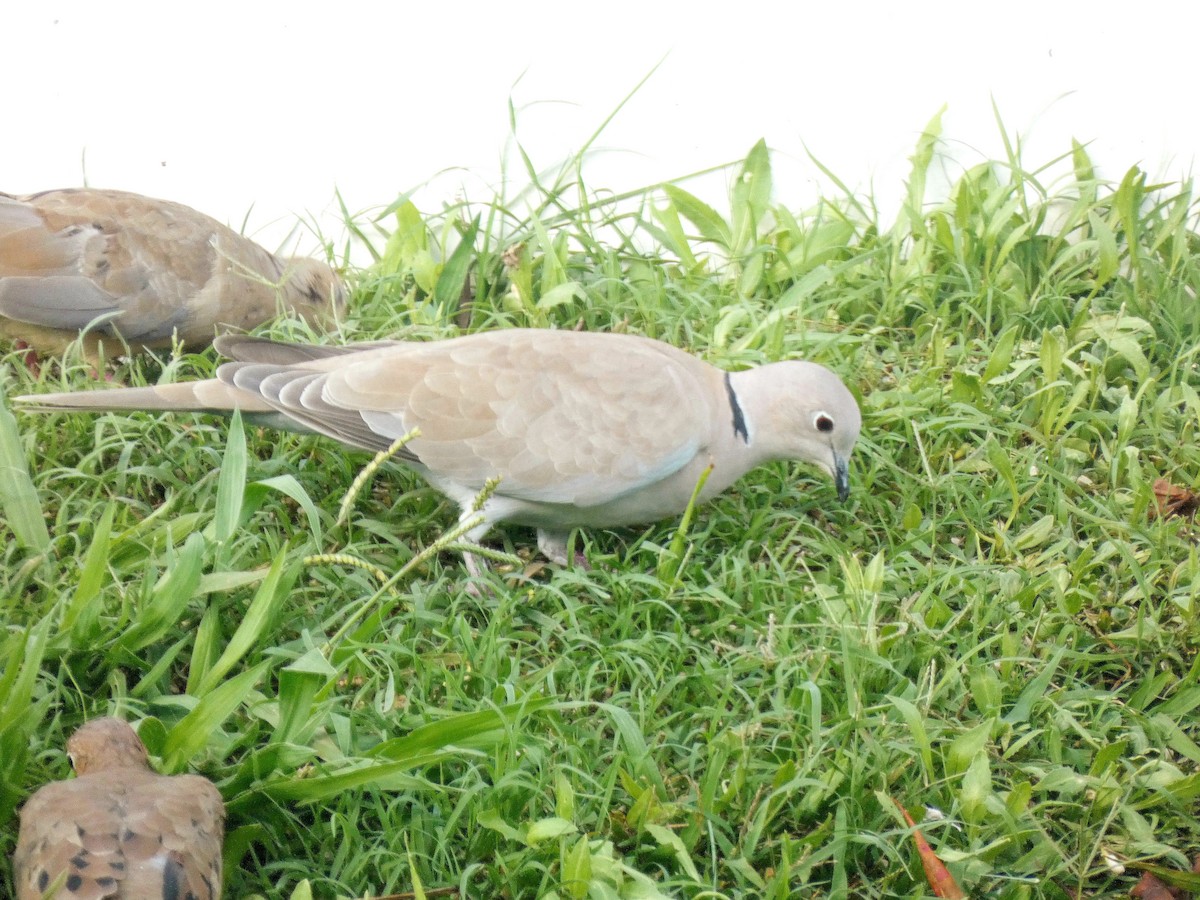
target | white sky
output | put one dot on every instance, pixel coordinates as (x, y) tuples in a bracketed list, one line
[(265, 108)]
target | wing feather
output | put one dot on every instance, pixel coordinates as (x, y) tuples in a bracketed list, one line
[(561, 417)]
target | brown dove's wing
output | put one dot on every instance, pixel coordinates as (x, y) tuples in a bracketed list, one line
[(149, 268), (173, 838), (561, 417), (74, 256), (26, 247), (122, 834)]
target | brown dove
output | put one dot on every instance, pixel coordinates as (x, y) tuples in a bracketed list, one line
[(141, 271), (582, 429), (118, 829)]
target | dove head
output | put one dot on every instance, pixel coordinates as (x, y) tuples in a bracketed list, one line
[(104, 744), (801, 410), (313, 290)]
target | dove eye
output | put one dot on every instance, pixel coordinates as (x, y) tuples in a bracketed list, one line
[(823, 422)]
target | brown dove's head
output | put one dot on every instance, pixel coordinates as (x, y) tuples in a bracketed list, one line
[(313, 290), (105, 744)]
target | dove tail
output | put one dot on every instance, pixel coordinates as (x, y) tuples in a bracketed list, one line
[(197, 396)]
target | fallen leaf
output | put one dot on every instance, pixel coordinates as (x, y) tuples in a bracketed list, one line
[(1156, 883), (1150, 888), (1173, 500), (936, 873)]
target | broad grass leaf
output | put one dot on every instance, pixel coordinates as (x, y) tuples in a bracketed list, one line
[(287, 485), (299, 682), (169, 598), (1106, 249), (379, 775), (547, 829), (560, 295), (21, 655), (1001, 354), (447, 293), (976, 788), (577, 868), (1034, 691), (637, 756), (987, 692), (1035, 535), (966, 746), (922, 157), (231, 485), (564, 797), (750, 198), (194, 730), (472, 729), (263, 612), (491, 818), (150, 683), (670, 840), (80, 616), (206, 647), (671, 233), (916, 727), (706, 220), (19, 501)]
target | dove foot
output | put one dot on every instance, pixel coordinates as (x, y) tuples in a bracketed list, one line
[(30, 358), (477, 568), (554, 544)]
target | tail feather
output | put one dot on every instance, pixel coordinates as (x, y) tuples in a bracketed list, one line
[(197, 396)]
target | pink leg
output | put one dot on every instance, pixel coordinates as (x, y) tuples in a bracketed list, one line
[(30, 358)]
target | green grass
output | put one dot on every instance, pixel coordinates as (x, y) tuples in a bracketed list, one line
[(994, 625)]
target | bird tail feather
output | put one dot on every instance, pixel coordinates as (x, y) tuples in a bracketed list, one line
[(196, 396)]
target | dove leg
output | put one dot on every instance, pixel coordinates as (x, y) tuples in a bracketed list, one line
[(553, 545), (475, 564), (476, 567), (30, 358)]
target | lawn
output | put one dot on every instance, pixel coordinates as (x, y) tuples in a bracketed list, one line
[(997, 630)]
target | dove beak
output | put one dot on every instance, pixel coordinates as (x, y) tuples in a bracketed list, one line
[(841, 477)]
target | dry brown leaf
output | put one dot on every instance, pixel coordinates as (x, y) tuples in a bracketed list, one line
[(1150, 888), (936, 873), (1173, 500)]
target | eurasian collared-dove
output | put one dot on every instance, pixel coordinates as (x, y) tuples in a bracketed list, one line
[(119, 830), (582, 429), (143, 269)]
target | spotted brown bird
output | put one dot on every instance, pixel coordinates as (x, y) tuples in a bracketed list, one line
[(120, 830), (138, 272)]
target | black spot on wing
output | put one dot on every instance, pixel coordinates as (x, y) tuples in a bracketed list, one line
[(173, 877)]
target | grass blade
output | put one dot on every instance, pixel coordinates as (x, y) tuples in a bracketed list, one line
[(193, 731), (18, 497), (263, 612)]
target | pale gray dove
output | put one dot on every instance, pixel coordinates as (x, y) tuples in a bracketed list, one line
[(118, 829), (582, 429), (143, 269)]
